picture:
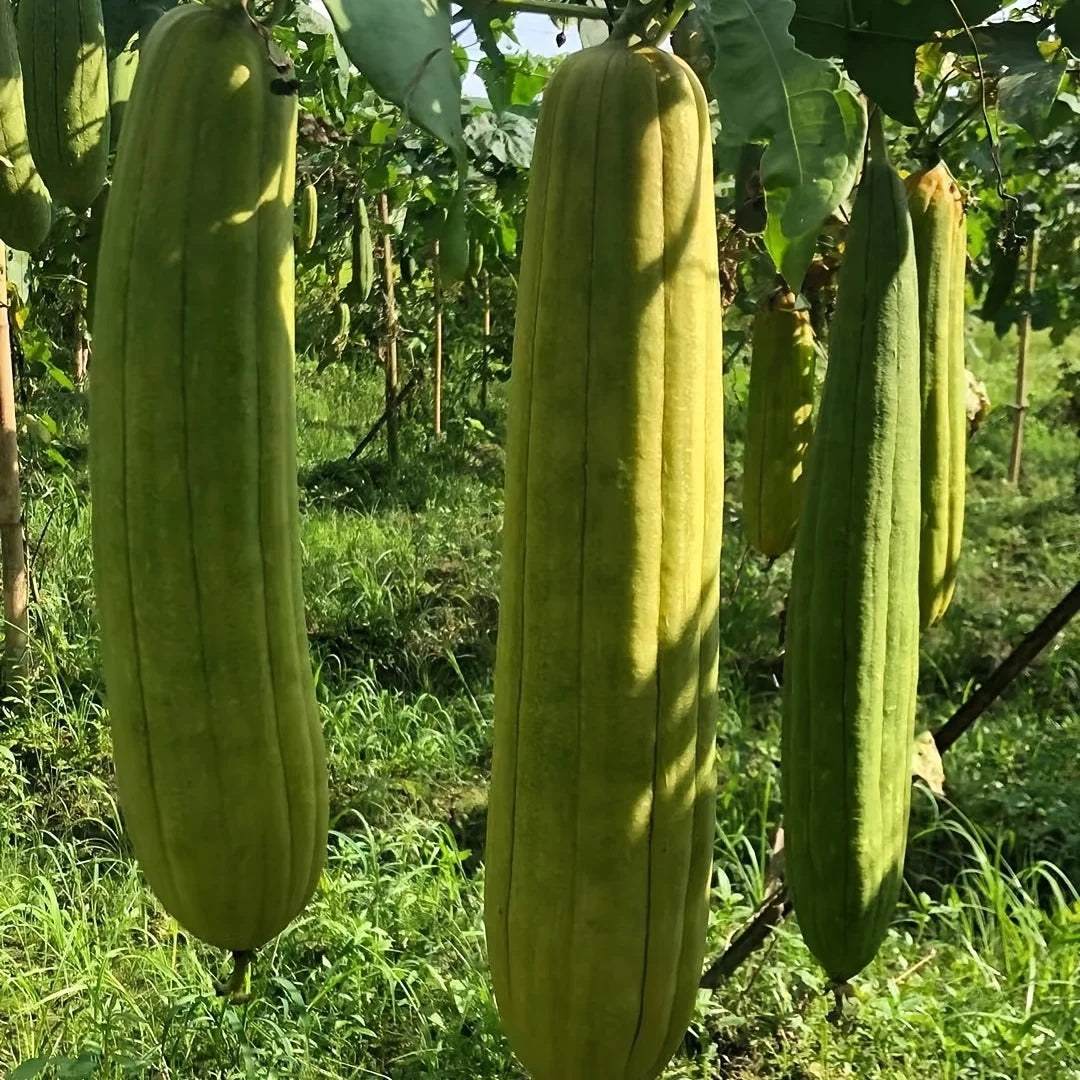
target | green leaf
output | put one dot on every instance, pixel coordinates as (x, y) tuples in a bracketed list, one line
[(1028, 83), (1067, 21), (508, 234), (310, 21), (402, 47), (926, 763), (690, 42), (28, 1069), (496, 73), (768, 91), (593, 31), (506, 138), (1027, 97), (877, 40), (18, 273), (125, 18)]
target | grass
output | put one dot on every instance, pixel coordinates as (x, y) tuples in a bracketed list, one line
[(384, 974)]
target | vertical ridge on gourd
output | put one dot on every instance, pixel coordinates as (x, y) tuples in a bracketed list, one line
[(937, 214), (217, 742), (779, 422), (601, 811), (66, 89), (851, 661), (25, 203)]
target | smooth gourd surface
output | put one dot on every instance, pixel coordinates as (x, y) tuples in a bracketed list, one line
[(217, 742), (779, 422), (937, 214), (25, 204), (66, 89), (601, 810), (851, 661)]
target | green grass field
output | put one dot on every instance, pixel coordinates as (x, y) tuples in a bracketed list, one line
[(384, 975)]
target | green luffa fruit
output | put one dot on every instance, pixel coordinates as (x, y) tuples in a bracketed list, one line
[(66, 90), (937, 214), (309, 217), (476, 260), (852, 651), (122, 71), (779, 422), (1004, 272), (601, 810), (363, 257), (344, 324), (25, 204), (454, 253), (217, 741)]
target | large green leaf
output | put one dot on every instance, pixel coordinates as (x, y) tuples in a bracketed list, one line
[(593, 31), (311, 22), (1028, 81), (506, 138), (768, 91), (125, 18), (1067, 21), (877, 40), (402, 47)]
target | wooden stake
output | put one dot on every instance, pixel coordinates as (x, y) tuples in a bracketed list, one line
[(12, 544), (438, 341), (1021, 362), (487, 334), (393, 447)]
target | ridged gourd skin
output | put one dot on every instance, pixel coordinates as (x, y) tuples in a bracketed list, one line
[(851, 661), (601, 812), (66, 90), (344, 323), (940, 228), (25, 203), (363, 257), (218, 747), (779, 422), (309, 217)]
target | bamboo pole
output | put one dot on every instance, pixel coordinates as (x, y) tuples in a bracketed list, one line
[(12, 544)]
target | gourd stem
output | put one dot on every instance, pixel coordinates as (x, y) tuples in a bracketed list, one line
[(237, 988), (634, 19), (666, 28)]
